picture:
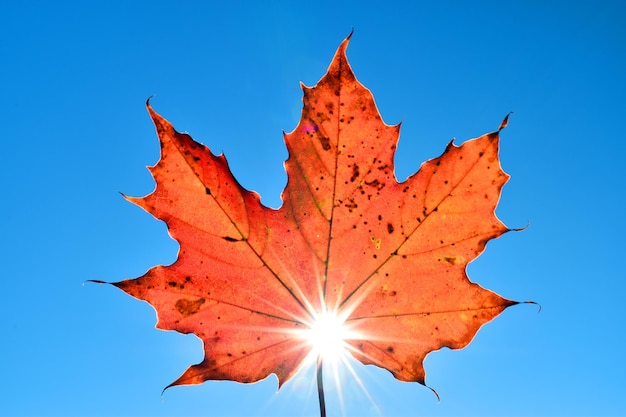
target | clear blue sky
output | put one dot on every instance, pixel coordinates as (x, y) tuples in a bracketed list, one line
[(74, 77)]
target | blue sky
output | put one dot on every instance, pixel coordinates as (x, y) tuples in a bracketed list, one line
[(74, 80)]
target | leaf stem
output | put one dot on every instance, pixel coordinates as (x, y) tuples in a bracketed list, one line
[(320, 387)]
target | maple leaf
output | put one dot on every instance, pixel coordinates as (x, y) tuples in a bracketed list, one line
[(386, 259)]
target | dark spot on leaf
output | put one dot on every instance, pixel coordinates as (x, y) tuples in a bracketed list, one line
[(230, 239), (376, 184), (351, 204), (325, 142), (390, 349), (355, 172), (390, 228), (188, 307)]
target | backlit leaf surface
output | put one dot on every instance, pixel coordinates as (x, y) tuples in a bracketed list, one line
[(388, 258)]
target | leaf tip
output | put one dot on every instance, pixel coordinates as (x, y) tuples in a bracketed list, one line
[(434, 392), (504, 122), (533, 303), (520, 229), (95, 281), (149, 106), (134, 200), (350, 34), (166, 388), (345, 42)]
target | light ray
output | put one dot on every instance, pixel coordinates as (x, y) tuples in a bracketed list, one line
[(328, 334)]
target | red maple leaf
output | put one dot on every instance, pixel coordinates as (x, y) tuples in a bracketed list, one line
[(385, 260)]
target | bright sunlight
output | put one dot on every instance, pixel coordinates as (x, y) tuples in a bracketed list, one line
[(327, 335)]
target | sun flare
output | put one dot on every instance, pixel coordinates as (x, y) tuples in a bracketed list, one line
[(327, 336)]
